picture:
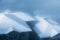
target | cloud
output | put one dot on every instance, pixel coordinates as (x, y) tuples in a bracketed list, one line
[(50, 7), (5, 12), (52, 3)]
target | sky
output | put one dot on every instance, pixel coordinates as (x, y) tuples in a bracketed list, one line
[(49, 8)]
